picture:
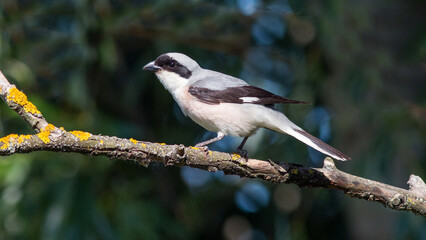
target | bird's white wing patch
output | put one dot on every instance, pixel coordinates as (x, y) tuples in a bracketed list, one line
[(249, 99)]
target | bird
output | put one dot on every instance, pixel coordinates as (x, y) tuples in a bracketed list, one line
[(227, 105)]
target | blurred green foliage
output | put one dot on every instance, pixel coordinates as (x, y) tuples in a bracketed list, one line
[(361, 64)]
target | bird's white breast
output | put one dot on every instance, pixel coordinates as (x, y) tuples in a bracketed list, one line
[(228, 118)]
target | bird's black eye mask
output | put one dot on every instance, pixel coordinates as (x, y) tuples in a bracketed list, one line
[(169, 64)]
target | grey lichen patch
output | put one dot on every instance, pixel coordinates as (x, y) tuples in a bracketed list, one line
[(329, 164), (396, 200), (143, 162), (212, 169)]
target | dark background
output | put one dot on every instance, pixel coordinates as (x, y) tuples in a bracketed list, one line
[(360, 63)]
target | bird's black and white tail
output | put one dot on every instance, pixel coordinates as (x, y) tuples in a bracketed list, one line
[(317, 144), (280, 123)]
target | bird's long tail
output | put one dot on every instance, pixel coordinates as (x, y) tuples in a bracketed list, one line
[(317, 144), (280, 123)]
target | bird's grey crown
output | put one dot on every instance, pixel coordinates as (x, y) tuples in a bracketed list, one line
[(184, 60)]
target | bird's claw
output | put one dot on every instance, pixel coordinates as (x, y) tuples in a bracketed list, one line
[(205, 148), (242, 153)]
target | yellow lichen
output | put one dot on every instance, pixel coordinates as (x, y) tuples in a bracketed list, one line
[(162, 144), (6, 140), (21, 99), (294, 171), (195, 148), (23, 137), (13, 138), (101, 142), (143, 145), (82, 136), (235, 156), (45, 133), (133, 140)]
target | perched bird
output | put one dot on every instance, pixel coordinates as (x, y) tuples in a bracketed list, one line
[(227, 105)]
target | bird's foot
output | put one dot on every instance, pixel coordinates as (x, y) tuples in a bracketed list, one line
[(243, 153), (202, 147)]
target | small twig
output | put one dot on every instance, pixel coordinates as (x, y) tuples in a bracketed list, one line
[(18, 101)]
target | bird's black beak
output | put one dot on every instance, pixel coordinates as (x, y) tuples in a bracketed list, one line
[(151, 67)]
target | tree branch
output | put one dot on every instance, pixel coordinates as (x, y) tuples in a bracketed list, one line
[(51, 138)]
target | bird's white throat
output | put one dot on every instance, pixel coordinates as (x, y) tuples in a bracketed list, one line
[(170, 80)]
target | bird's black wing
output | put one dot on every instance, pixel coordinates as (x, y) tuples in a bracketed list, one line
[(239, 94)]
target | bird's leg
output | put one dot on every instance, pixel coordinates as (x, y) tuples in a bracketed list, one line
[(242, 143), (219, 137), (240, 150)]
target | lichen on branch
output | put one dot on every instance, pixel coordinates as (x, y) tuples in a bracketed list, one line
[(18, 97), (51, 138)]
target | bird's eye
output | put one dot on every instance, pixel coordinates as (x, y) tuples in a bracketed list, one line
[(172, 64)]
